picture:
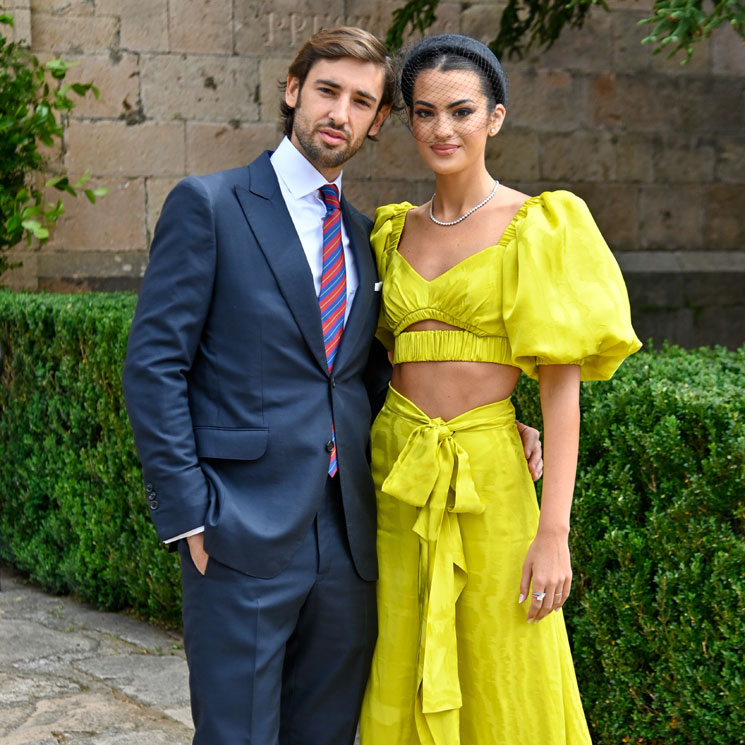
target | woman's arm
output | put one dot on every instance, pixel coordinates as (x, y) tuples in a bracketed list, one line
[(547, 563)]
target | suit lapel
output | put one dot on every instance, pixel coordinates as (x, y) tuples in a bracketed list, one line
[(271, 224), (359, 243)]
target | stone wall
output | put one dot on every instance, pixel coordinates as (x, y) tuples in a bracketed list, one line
[(190, 86)]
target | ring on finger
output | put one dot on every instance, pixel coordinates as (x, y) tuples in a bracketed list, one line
[(539, 596)]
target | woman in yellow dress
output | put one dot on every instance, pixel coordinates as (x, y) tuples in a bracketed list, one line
[(480, 284)]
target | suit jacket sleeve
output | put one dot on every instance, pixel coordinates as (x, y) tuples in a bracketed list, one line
[(163, 341)]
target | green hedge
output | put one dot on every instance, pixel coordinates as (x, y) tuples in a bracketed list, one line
[(72, 508), (657, 614), (656, 617)]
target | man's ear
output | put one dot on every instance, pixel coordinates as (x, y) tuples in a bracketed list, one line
[(292, 91), (380, 117)]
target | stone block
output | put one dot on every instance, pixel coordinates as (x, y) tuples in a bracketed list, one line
[(544, 99), (367, 196), (512, 155), (118, 80), (74, 34), (588, 49), (201, 26), (396, 156), (448, 19), (481, 20), (115, 223), (375, 17), (637, 103), (727, 52), (676, 66), (578, 156), (25, 276), (77, 265), (615, 5), (64, 7), (629, 54), (725, 227), (20, 31), (634, 157), (144, 23), (730, 164), (205, 88), (712, 105), (271, 72), (213, 147), (279, 27), (115, 149), (614, 207), (671, 217), (157, 189), (683, 158)]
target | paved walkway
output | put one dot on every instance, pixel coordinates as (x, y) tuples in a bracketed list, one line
[(74, 675), (71, 674)]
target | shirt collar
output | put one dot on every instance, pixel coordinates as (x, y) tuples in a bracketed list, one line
[(297, 173)]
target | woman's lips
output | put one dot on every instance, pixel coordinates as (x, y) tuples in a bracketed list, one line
[(332, 137), (444, 149)]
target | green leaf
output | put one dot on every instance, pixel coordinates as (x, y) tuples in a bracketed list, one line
[(35, 227), (82, 180), (7, 19)]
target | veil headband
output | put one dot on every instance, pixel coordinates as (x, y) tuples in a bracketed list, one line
[(459, 46)]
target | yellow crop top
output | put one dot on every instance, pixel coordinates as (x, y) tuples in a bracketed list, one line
[(549, 292)]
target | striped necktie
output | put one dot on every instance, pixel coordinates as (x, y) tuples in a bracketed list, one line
[(333, 296)]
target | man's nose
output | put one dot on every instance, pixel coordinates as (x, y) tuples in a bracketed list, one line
[(339, 113)]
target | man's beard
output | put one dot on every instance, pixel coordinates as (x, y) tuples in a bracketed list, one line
[(318, 153)]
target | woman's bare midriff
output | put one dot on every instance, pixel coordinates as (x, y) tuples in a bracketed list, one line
[(447, 389)]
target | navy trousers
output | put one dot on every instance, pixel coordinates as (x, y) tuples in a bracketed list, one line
[(281, 661)]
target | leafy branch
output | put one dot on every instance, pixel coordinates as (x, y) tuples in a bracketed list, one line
[(525, 24), (34, 101)]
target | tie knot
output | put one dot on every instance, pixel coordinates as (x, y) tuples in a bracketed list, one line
[(330, 196)]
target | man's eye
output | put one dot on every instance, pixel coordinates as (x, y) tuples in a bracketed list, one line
[(363, 102), (326, 91)]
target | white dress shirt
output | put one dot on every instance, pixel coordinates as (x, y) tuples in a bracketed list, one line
[(299, 183)]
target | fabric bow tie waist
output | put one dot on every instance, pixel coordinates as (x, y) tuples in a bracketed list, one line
[(433, 473)]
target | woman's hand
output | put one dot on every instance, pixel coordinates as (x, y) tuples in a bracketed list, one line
[(548, 566), (532, 448)]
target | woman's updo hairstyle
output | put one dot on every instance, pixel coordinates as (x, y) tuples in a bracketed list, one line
[(446, 52)]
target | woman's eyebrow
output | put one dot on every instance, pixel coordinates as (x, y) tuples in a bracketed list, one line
[(421, 102)]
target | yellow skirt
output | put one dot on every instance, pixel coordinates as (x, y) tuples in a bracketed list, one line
[(456, 662)]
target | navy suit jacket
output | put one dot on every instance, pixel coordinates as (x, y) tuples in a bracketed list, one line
[(226, 381)]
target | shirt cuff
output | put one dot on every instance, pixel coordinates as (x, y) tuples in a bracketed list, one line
[(200, 529)]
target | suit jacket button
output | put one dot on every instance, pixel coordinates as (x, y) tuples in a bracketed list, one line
[(330, 446), (154, 505), (148, 487), (151, 496), (333, 382)]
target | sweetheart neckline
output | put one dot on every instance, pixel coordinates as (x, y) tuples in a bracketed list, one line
[(502, 238)]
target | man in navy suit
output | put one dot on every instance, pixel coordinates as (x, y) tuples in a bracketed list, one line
[(254, 443)]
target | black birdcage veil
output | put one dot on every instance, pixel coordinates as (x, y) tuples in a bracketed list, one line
[(449, 86)]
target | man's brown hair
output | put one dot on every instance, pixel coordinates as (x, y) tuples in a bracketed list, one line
[(336, 43)]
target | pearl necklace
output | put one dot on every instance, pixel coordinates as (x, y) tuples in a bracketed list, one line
[(462, 217)]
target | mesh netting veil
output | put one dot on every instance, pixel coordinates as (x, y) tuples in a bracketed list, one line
[(449, 85)]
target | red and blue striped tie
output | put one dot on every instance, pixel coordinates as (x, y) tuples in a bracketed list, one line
[(333, 296)]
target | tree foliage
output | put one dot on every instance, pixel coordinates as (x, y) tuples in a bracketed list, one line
[(33, 104), (676, 24)]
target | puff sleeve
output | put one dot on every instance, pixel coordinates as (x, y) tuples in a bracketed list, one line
[(389, 222), (564, 298)]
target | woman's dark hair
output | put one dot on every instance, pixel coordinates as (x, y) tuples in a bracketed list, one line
[(337, 43), (447, 52)]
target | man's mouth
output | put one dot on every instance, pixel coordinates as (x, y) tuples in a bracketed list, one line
[(332, 136)]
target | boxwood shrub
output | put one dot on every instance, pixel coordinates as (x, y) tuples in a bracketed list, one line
[(658, 525), (72, 511)]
